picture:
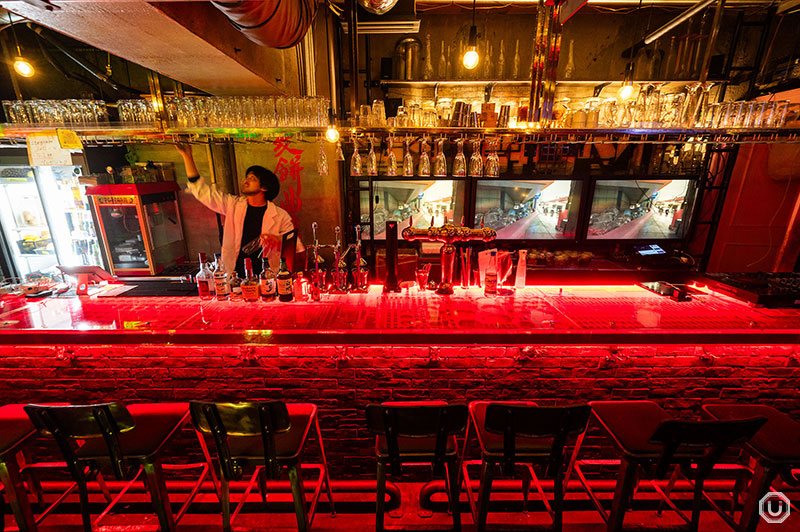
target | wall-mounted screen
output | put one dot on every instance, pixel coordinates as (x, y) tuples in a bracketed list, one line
[(416, 202), (640, 209), (538, 209)]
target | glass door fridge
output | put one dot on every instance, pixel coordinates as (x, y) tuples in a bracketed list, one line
[(46, 220)]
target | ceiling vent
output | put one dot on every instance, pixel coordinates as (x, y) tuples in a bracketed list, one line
[(401, 19)]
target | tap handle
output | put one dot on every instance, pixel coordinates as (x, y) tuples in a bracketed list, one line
[(358, 235), (314, 231)]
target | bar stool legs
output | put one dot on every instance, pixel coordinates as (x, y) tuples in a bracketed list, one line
[(17, 496), (298, 496), (484, 492), (380, 494), (626, 480), (154, 477)]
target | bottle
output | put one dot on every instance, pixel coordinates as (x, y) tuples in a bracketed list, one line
[(236, 285), (285, 289), (443, 64), (250, 286), (501, 63), (490, 283), (427, 73), (515, 66), (204, 279), (221, 278), (268, 281), (570, 68)]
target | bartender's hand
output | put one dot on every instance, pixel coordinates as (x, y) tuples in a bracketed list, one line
[(270, 242), (184, 149)]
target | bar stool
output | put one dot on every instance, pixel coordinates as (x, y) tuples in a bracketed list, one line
[(417, 432), (649, 439), (269, 433), (775, 449), (15, 431), (521, 432), (129, 439)]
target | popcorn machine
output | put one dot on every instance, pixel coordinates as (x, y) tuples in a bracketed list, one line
[(140, 225)]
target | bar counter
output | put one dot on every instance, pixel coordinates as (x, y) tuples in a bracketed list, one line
[(608, 314)]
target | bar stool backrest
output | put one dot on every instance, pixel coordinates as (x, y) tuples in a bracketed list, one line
[(715, 436), (258, 418), (530, 421), (417, 421), (80, 422)]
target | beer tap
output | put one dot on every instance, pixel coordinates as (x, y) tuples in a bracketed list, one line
[(316, 254), (357, 287), (339, 287)]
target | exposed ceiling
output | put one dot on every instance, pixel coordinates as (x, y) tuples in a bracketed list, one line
[(191, 42)]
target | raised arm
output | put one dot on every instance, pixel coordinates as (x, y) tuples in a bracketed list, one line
[(209, 196)]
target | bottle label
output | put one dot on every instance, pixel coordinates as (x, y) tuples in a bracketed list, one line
[(250, 292), (491, 283), (203, 288), (268, 287), (222, 286), (284, 287), (236, 289)]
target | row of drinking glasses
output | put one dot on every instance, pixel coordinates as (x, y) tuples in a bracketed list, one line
[(248, 111), (56, 112), (136, 112), (427, 165)]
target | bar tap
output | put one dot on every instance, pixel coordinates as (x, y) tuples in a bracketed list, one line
[(315, 248), (358, 285), (339, 277), (448, 233), (391, 284)]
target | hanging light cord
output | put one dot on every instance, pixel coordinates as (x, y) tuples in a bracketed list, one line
[(473, 12)]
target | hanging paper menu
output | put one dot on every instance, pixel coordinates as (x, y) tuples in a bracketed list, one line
[(46, 150)]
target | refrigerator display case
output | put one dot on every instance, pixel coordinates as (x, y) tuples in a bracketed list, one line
[(46, 219), (140, 226)]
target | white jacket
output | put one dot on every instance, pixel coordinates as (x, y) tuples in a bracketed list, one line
[(276, 221)]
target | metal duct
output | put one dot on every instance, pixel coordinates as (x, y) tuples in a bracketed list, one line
[(273, 23)]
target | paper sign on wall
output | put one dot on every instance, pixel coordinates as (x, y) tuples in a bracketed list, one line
[(45, 150), (68, 139)]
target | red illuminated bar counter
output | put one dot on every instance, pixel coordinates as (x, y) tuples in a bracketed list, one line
[(548, 343)]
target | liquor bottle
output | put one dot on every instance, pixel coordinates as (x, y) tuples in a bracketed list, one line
[(268, 281), (427, 73), (236, 285), (221, 278), (490, 283), (443, 64), (285, 289), (570, 68), (204, 279), (515, 66), (501, 63), (250, 286)]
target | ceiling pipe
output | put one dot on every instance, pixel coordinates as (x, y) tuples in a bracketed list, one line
[(666, 28), (278, 24)]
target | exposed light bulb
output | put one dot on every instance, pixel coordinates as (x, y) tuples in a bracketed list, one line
[(23, 67), (625, 92), (332, 134), (471, 58)]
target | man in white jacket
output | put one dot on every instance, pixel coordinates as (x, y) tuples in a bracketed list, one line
[(249, 216)]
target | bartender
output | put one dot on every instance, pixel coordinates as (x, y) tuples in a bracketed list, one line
[(250, 216)]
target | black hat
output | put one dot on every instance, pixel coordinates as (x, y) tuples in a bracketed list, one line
[(268, 179)]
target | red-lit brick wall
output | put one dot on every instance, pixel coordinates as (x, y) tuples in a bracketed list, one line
[(342, 380)]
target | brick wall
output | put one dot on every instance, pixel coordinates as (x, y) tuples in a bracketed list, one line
[(342, 380)]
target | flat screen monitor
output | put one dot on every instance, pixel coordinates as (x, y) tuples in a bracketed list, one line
[(540, 209), (640, 209), (95, 273)]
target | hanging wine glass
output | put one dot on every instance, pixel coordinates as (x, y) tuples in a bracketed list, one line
[(355, 160), (372, 161), (339, 152), (391, 159), (408, 161), (476, 161), (322, 159), (439, 162), (460, 162), (492, 160), (424, 159)]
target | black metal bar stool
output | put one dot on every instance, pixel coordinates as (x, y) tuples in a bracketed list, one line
[(128, 439), (15, 431), (652, 442), (270, 435), (417, 433), (775, 449), (521, 432)]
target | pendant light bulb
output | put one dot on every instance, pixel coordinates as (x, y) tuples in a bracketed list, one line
[(471, 57), (23, 67), (332, 134), (625, 92)]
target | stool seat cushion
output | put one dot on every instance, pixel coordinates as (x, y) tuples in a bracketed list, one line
[(632, 423), (288, 444), (491, 444), (155, 423), (15, 427), (778, 441)]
